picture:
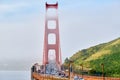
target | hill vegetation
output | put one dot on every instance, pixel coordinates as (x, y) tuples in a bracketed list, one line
[(92, 58)]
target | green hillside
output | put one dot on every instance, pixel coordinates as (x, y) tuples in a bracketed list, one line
[(93, 57)]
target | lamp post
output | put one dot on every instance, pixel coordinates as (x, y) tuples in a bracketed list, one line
[(103, 71), (82, 69), (70, 61)]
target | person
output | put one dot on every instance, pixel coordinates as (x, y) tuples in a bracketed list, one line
[(39, 71), (33, 69), (37, 67)]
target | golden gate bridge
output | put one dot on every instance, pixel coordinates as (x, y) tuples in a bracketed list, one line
[(51, 65), (52, 59)]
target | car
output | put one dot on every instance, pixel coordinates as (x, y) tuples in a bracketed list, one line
[(53, 73), (62, 75), (81, 79), (76, 78), (66, 76)]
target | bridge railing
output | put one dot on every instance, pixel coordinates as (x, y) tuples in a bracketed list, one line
[(97, 78)]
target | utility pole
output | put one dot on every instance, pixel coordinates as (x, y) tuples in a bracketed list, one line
[(103, 71)]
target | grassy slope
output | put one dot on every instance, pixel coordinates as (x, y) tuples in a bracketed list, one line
[(107, 53)]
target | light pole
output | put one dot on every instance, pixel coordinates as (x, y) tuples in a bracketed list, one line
[(103, 71), (70, 61), (82, 69)]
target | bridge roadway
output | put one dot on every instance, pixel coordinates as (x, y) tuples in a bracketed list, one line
[(36, 76)]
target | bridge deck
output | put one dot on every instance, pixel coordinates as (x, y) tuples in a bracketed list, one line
[(37, 76)]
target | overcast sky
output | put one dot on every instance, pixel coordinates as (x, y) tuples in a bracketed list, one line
[(83, 23)]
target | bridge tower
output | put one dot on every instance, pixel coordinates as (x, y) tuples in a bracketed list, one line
[(55, 47)]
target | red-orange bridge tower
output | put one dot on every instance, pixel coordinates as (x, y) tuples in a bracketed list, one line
[(54, 30)]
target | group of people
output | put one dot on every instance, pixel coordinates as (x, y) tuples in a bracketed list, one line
[(36, 68)]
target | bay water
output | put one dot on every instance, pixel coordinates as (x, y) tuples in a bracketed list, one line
[(15, 75)]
